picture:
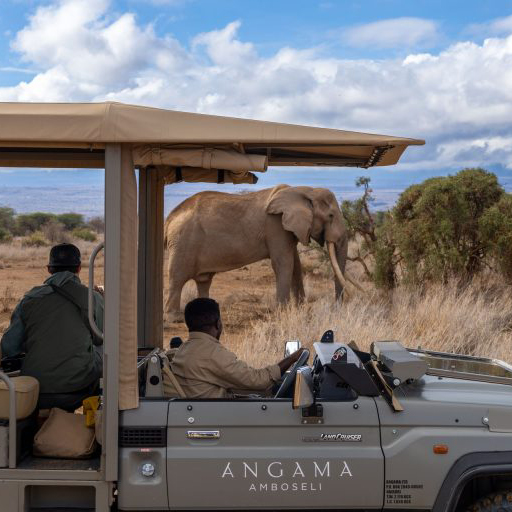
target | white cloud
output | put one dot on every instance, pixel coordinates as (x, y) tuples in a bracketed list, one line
[(223, 49), (11, 69), (498, 26), (496, 149), (74, 41), (460, 99), (393, 33)]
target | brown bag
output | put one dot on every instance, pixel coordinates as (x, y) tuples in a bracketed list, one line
[(64, 435)]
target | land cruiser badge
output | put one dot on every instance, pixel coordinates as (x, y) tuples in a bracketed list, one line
[(334, 438)]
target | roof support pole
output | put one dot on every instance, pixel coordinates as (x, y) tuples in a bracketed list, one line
[(120, 328), (150, 261)]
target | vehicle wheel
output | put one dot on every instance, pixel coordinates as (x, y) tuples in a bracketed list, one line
[(494, 502)]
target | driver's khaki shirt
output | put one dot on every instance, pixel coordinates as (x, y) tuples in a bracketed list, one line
[(206, 369)]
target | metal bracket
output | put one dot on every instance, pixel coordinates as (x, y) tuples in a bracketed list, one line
[(90, 297), (154, 385), (313, 415), (386, 390)]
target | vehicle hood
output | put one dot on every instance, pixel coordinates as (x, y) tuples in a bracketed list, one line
[(446, 402), (456, 391)]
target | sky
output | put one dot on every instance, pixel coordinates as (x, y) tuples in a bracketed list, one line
[(436, 70)]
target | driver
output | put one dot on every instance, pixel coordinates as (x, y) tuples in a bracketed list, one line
[(206, 369)]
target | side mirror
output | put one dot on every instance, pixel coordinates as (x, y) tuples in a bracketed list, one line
[(290, 347), (303, 395)]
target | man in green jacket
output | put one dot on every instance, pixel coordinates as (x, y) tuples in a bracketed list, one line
[(50, 326)]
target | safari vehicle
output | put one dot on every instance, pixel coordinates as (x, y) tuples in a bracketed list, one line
[(392, 429)]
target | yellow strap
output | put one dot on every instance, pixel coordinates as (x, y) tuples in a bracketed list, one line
[(168, 373)]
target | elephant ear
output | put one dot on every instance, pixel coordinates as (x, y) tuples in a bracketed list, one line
[(296, 208)]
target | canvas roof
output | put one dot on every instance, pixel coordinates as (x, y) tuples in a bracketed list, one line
[(92, 125)]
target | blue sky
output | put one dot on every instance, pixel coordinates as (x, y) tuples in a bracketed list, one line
[(438, 70), (273, 24)]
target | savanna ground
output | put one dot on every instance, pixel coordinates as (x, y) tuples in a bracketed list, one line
[(476, 319)]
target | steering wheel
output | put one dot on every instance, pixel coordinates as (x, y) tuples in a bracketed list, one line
[(289, 380)]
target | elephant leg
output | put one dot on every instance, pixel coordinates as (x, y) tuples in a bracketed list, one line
[(173, 300), (283, 270), (203, 283), (297, 282), (281, 248)]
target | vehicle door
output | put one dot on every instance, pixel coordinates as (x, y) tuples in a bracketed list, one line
[(243, 454)]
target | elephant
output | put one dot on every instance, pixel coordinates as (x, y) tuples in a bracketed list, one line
[(214, 232)]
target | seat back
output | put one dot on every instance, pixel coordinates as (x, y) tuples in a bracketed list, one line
[(27, 394)]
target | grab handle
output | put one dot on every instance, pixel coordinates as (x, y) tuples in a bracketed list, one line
[(12, 419), (92, 321), (203, 434)]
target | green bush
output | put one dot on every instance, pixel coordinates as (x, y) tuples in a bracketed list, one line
[(5, 235), (496, 228), (97, 224), (55, 232), (27, 223), (71, 220), (84, 234), (36, 239), (442, 228), (436, 225), (7, 220)]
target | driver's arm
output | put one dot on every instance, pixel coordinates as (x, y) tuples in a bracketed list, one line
[(14, 337), (285, 363), (232, 373)]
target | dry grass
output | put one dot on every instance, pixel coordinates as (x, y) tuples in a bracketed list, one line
[(32, 257), (475, 321), (22, 268), (7, 299)]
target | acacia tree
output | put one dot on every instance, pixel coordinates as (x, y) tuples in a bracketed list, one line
[(377, 252), (30, 222), (360, 222)]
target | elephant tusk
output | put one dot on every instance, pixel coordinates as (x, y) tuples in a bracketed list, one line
[(355, 284), (337, 271)]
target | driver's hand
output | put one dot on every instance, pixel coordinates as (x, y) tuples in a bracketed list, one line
[(291, 359), (295, 356)]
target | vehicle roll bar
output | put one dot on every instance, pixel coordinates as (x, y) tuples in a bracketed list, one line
[(12, 419), (90, 306)]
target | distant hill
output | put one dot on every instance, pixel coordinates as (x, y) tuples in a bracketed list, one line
[(58, 191)]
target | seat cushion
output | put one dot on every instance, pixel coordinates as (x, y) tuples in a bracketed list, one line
[(27, 393)]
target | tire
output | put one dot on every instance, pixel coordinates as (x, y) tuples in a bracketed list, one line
[(494, 502)]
